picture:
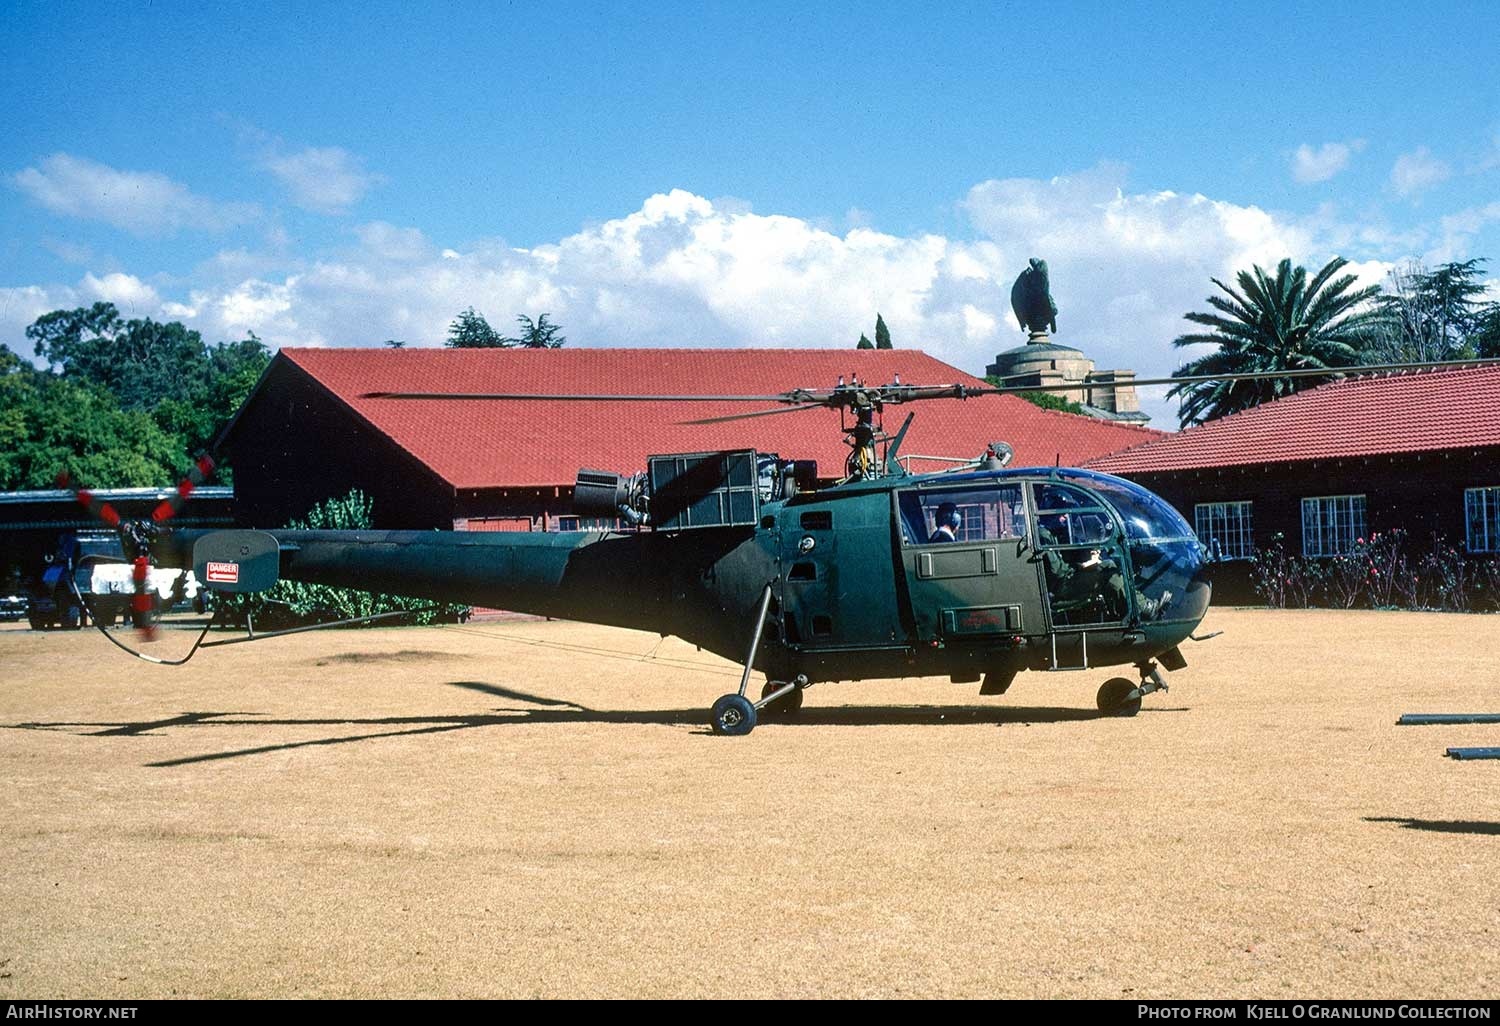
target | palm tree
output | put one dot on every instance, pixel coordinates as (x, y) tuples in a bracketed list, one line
[(1274, 323)]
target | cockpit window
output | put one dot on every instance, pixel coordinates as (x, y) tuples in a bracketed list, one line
[(1055, 496), (1077, 528), (1145, 515), (970, 515)]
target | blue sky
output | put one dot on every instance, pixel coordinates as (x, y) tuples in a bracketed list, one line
[(729, 174)]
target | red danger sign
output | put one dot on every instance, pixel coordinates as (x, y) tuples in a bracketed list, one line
[(224, 573)]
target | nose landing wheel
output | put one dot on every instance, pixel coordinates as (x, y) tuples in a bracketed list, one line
[(1119, 697)]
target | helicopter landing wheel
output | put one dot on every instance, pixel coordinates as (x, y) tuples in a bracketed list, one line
[(733, 715), (785, 707), (1114, 698)]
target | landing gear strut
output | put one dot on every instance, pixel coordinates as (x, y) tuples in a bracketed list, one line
[(735, 715), (782, 701), (1119, 697)]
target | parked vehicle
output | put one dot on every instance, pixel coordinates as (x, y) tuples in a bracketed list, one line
[(95, 561), (12, 607)]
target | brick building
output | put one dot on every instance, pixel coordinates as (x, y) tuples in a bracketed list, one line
[(310, 429), (1418, 451)]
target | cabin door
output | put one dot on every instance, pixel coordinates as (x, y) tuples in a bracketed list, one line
[(964, 554)]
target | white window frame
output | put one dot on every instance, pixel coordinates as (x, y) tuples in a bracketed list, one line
[(1325, 532), (1482, 509), (1235, 537)]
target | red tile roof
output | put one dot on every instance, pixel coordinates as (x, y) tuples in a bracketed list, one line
[(494, 444), (1416, 411)]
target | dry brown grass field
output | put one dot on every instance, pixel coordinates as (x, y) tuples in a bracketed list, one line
[(535, 808)]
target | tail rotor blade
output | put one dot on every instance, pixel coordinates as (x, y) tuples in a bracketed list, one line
[(199, 473), (97, 507), (141, 606)]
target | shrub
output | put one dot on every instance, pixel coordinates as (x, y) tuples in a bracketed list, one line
[(1379, 573)]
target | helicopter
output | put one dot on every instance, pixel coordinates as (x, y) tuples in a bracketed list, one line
[(975, 573)]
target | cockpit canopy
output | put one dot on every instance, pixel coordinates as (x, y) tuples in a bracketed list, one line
[(1145, 516)]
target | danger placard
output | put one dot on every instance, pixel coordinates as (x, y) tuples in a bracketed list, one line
[(223, 573)]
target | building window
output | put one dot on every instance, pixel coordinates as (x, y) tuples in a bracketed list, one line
[(1225, 528), (571, 523), (1482, 517), (1331, 524)]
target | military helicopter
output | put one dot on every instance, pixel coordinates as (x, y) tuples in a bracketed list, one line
[(974, 573)]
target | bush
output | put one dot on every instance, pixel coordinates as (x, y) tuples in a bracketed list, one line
[(1378, 573), (1284, 580)]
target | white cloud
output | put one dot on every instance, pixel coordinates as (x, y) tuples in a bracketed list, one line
[(133, 297), (1417, 172), (1319, 165), (389, 242), (327, 180), (1125, 267), (72, 252), (1458, 231), (20, 306), (141, 202), (683, 270)]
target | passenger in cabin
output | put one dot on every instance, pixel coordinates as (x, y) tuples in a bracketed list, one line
[(948, 521)]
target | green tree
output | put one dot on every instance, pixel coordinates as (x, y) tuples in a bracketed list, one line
[(470, 330), (73, 336), (1487, 335), (1272, 323), (142, 362), (50, 424), (1432, 315), (539, 335), (882, 334), (864, 343), (164, 371)]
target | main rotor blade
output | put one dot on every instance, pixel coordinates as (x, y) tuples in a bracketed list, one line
[(758, 413), (781, 398), (1194, 379)]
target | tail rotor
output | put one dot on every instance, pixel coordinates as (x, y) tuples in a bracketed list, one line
[(136, 536)]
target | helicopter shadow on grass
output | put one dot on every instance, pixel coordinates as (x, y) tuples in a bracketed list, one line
[(558, 711), (1441, 826)]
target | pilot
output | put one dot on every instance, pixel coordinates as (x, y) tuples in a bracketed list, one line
[(948, 522)]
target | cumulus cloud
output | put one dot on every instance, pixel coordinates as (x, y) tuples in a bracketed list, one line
[(141, 202), (1125, 266), (1458, 231), (326, 180), (1417, 172), (1319, 165), (684, 270), (133, 297)]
